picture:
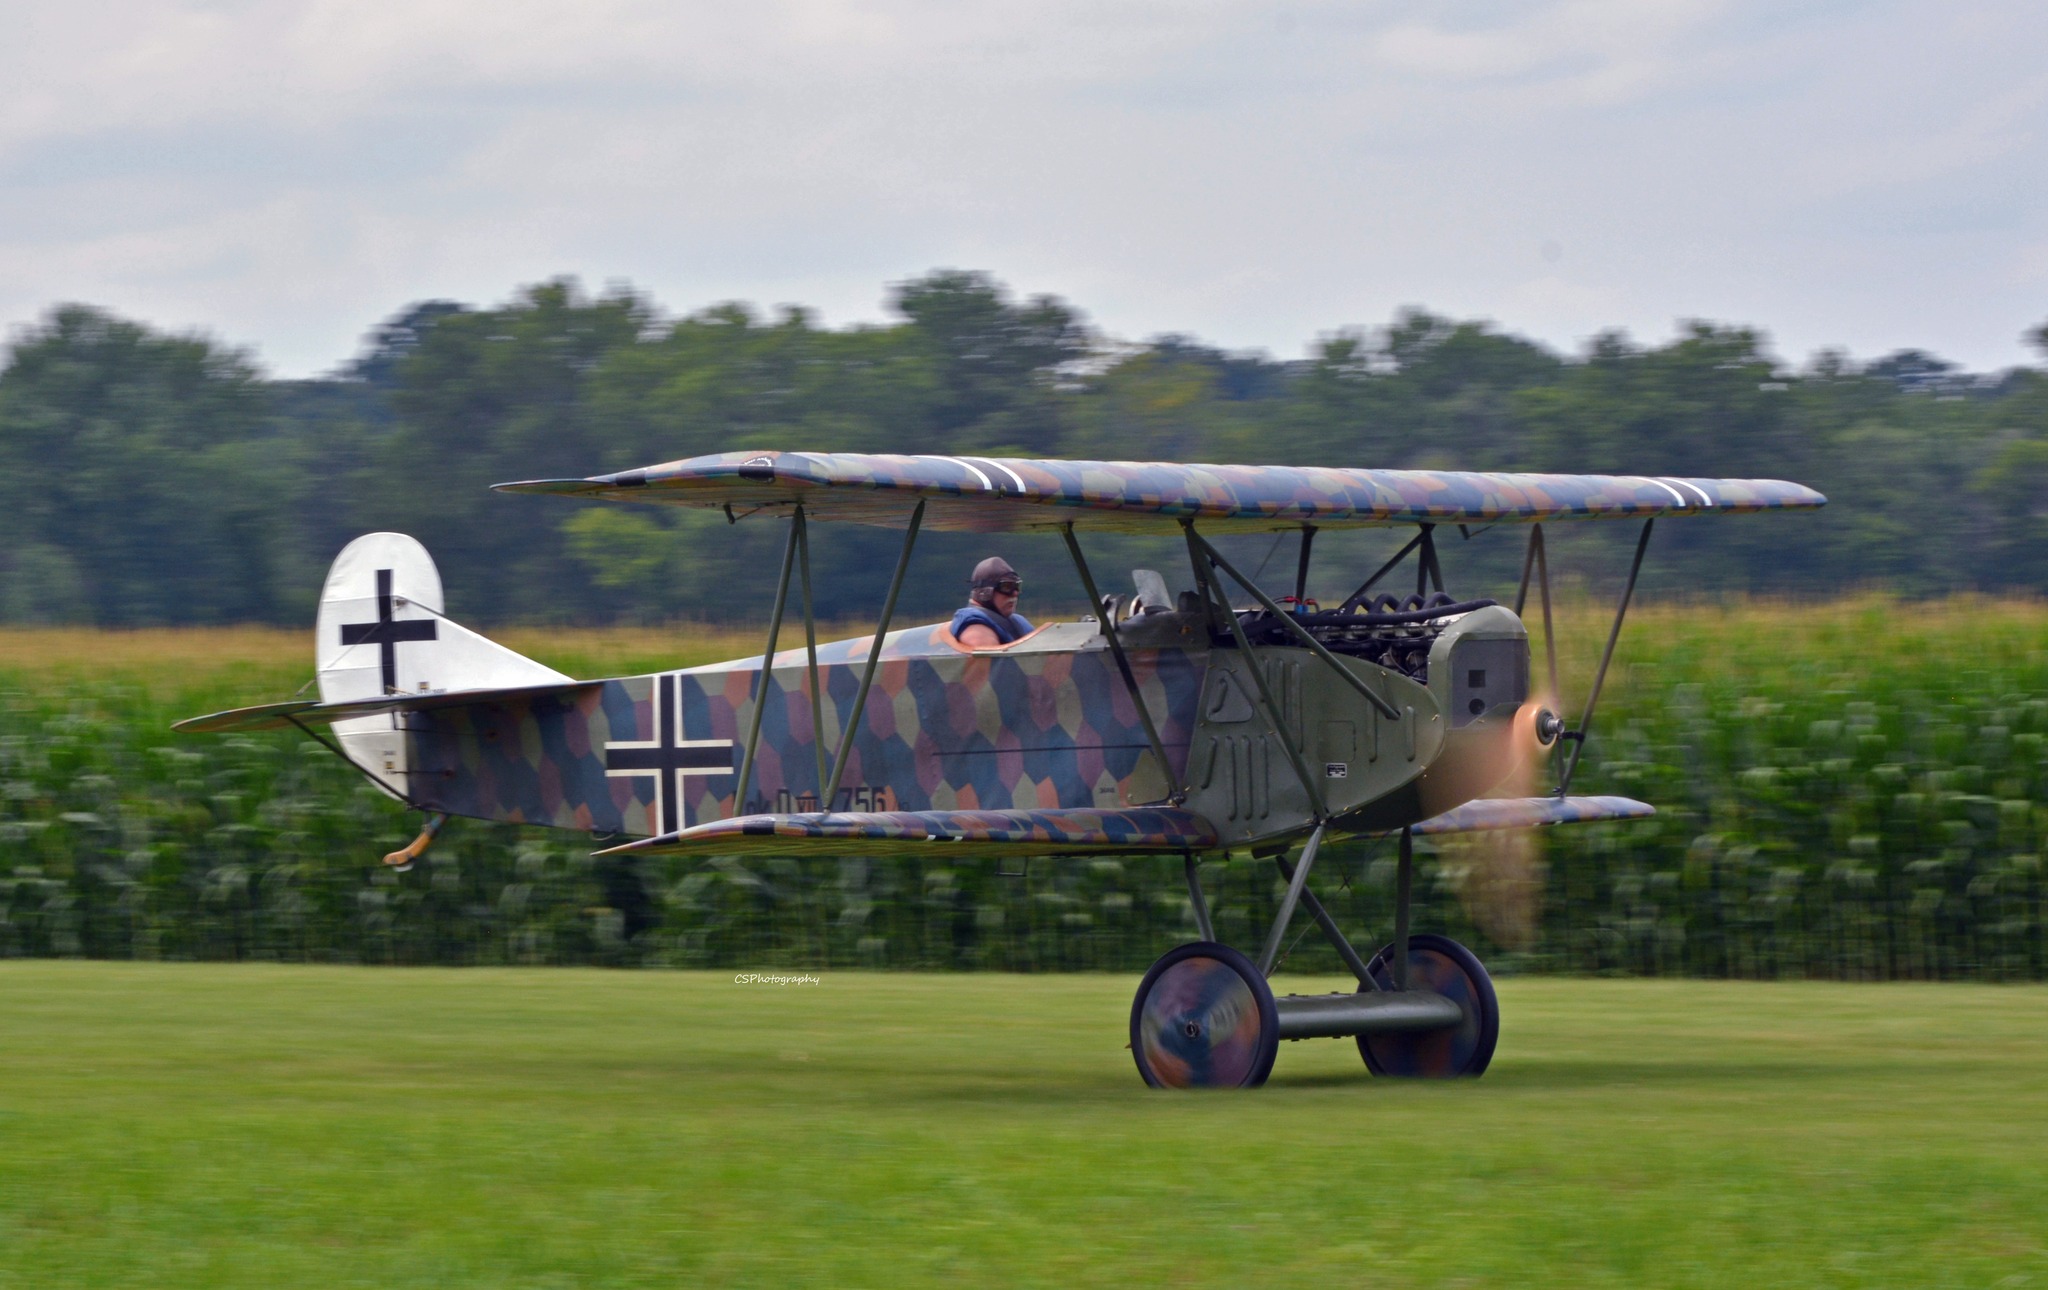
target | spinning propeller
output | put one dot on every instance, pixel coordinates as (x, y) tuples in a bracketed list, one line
[(1501, 882)]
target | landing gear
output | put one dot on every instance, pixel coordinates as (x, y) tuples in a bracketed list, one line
[(1440, 965), (1204, 1017)]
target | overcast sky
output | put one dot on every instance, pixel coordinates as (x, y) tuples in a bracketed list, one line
[(285, 173)]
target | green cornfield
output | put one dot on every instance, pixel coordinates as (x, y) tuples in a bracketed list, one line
[(1846, 790)]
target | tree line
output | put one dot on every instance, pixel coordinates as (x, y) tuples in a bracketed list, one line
[(151, 478)]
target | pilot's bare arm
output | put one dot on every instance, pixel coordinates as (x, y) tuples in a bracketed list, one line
[(979, 636)]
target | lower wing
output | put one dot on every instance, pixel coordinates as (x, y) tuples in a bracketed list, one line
[(1142, 830)]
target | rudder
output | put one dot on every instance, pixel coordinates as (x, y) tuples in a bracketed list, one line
[(381, 631)]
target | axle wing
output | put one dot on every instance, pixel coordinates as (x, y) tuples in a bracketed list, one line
[(1530, 812)]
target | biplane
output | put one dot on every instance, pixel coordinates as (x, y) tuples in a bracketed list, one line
[(1216, 720)]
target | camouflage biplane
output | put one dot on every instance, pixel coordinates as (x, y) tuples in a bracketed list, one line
[(1214, 721)]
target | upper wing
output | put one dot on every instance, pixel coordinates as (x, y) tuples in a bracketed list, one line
[(963, 834), (989, 494), (1527, 812)]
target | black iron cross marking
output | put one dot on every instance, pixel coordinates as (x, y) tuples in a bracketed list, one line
[(385, 633), (668, 757)]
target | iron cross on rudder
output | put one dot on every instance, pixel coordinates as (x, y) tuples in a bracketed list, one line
[(387, 632), (668, 757)]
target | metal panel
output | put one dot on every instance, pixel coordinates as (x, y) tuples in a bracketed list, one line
[(1487, 675)]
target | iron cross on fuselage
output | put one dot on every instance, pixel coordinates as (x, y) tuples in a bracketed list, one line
[(386, 632), (668, 757)]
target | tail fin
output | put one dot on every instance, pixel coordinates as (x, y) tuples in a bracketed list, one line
[(381, 631)]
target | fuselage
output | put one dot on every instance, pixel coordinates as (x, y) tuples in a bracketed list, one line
[(1045, 723)]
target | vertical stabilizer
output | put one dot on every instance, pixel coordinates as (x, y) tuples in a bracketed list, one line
[(381, 631)]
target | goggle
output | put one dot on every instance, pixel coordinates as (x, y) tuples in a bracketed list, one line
[(1007, 587)]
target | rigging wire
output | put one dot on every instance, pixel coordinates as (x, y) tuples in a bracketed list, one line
[(1271, 551)]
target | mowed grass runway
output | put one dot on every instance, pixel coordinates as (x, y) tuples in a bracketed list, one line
[(268, 1126)]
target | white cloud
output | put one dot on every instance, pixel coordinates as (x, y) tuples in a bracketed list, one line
[(1598, 51), (287, 172)]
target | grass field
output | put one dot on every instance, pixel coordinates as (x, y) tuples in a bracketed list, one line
[(264, 1125)]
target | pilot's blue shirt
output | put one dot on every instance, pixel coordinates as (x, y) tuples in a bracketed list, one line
[(1007, 629)]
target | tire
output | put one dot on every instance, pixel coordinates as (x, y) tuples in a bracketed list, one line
[(1203, 1017), (1463, 1051)]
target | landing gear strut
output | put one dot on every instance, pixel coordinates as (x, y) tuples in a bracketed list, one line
[(1204, 1016)]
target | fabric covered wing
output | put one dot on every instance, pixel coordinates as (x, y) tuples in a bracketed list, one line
[(965, 834), (1528, 812), (984, 494)]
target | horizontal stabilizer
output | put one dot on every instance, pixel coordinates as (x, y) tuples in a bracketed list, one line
[(962, 834), (1528, 812), (277, 716)]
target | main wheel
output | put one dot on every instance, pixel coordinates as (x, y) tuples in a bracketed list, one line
[(1441, 964), (1204, 1018)]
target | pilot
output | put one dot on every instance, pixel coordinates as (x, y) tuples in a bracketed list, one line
[(990, 619)]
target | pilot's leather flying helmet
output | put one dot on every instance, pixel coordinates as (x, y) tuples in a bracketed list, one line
[(992, 575)]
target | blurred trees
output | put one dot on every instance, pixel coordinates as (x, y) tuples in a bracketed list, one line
[(153, 478), (140, 478)]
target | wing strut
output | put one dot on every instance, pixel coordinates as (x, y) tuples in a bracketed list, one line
[(1301, 633), (1296, 884), (1538, 559), (1357, 598), (1174, 792), (1578, 737), (1308, 540), (739, 796), (803, 555), (1201, 906), (867, 677), (1201, 551), (796, 557), (1427, 570), (1404, 891)]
